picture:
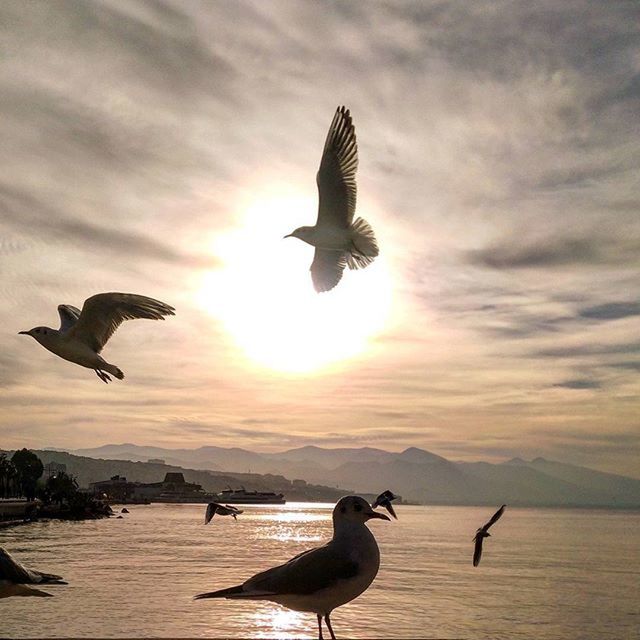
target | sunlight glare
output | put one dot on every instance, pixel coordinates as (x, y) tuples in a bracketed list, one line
[(263, 294)]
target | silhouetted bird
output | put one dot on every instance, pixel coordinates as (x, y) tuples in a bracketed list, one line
[(13, 577), (483, 532), (226, 510), (83, 334), (384, 500), (339, 241), (324, 578)]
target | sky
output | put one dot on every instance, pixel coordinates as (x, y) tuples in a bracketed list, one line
[(165, 148)]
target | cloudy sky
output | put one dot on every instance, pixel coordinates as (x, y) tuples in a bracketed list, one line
[(165, 148)]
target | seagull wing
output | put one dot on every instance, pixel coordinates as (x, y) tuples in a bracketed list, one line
[(306, 573), (12, 571), (103, 313), (68, 316), (336, 177), (389, 507), (211, 511), (327, 268), (495, 517), (477, 551)]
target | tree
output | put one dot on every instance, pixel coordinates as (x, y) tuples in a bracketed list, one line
[(29, 469), (61, 488), (8, 475)]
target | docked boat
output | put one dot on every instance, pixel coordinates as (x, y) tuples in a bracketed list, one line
[(242, 496)]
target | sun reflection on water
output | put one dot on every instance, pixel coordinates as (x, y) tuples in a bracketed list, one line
[(273, 621)]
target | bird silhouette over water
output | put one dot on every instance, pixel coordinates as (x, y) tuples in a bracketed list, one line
[(483, 532), (14, 578), (384, 500), (338, 240), (221, 510), (83, 334), (324, 578)]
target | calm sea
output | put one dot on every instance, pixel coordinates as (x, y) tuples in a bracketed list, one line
[(545, 574)]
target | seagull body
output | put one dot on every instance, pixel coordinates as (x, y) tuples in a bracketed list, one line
[(482, 533), (83, 334), (322, 579), (222, 510), (384, 500), (338, 239), (13, 577)]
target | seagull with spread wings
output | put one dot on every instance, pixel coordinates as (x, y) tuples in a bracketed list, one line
[(83, 334), (14, 577), (483, 532), (221, 510), (339, 241), (324, 578), (384, 500)]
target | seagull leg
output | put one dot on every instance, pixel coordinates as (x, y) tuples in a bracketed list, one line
[(320, 636), (328, 621)]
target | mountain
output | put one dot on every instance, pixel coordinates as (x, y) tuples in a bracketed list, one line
[(416, 474)]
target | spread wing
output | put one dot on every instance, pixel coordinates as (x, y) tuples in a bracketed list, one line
[(103, 313), (495, 517), (211, 511), (68, 316), (306, 573), (336, 177), (327, 268), (477, 551)]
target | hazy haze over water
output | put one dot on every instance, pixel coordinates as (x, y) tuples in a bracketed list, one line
[(545, 573)]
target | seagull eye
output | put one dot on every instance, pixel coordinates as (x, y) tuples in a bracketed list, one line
[(358, 507), (37, 330)]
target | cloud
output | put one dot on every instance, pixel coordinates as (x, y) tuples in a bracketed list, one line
[(611, 311), (578, 383)]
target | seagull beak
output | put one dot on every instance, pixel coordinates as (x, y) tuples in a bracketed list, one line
[(23, 333), (287, 236), (380, 516)]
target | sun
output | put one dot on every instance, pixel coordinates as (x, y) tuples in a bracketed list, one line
[(263, 295)]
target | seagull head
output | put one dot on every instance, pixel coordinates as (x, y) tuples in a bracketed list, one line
[(354, 510), (41, 334), (302, 233)]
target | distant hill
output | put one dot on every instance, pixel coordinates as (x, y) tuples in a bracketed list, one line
[(418, 475), (87, 470)]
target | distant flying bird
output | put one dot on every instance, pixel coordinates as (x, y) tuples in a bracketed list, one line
[(226, 510), (13, 577), (83, 334), (339, 241), (483, 532), (384, 500), (324, 578)]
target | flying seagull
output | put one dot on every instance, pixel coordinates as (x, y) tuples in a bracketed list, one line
[(324, 578), (83, 334), (226, 510), (384, 500), (483, 532), (13, 576), (338, 240)]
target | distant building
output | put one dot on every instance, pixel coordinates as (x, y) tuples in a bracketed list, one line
[(53, 468), (173, 488), (156, 461)]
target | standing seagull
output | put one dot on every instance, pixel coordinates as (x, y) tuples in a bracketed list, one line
[(384, 500), (13, 576), (339, 241), (83, 334), (226, 510), (483, 532), (324, 578)]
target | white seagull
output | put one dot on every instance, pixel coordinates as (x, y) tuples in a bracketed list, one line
[(83, 334), (13, 577), (221, 510), (324, 578), (339, 241)]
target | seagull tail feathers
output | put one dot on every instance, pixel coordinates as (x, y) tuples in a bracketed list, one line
[(364, 247), (222, 593)]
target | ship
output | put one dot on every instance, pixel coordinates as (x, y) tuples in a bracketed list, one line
[(242, 496)]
